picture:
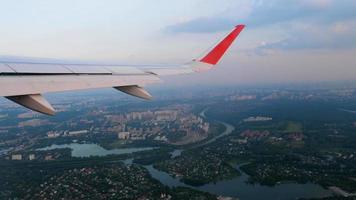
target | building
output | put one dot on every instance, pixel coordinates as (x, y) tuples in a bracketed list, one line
[(31, 156), (124, 135), (49, 157), (73, 133), (16, 157), (53, 134), (161, 138), (166, 115), (242, 97), (138, 137), (205, 127), (296, 136), (136, 115), (257, 119)]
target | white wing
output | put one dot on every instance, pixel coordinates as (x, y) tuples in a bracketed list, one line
[(24, 83)]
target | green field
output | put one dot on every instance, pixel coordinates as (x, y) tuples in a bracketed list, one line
[(293, 127)]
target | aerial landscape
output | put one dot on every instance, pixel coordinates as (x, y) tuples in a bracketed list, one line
[(287, 144), (178, 100)]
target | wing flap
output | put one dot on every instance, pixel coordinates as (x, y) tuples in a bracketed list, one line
[(87, 69), (67, 69), (34, 102), (5, 69), (136, 91), (24, 68), (166, 71)]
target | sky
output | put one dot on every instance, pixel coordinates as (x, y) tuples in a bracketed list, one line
[(284, 40)]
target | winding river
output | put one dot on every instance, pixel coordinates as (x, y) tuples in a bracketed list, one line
[(228, 130), (238, 187)]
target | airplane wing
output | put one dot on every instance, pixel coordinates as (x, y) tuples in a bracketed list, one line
[(23, 83)]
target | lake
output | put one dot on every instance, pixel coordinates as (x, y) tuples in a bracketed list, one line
[(87, 150)]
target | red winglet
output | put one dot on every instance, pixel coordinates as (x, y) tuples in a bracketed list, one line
[(215, 55)]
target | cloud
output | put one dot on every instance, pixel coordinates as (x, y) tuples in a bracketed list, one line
[(227, 14), (268, 12), (340, 35), (297, 24), (202, 25)]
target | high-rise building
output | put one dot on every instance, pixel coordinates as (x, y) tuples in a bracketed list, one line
[(124, 135), (31, 156), (16, 157)]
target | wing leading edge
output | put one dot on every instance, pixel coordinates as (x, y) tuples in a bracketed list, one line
[(23, 83)]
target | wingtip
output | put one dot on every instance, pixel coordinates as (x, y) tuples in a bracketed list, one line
[(214, 56), (240, 26)]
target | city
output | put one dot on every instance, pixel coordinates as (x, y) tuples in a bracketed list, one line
[(186, 140)]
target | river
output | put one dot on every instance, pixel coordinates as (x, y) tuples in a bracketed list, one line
[(239, 188), (236, 187), (228, 130), (349, 111)]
